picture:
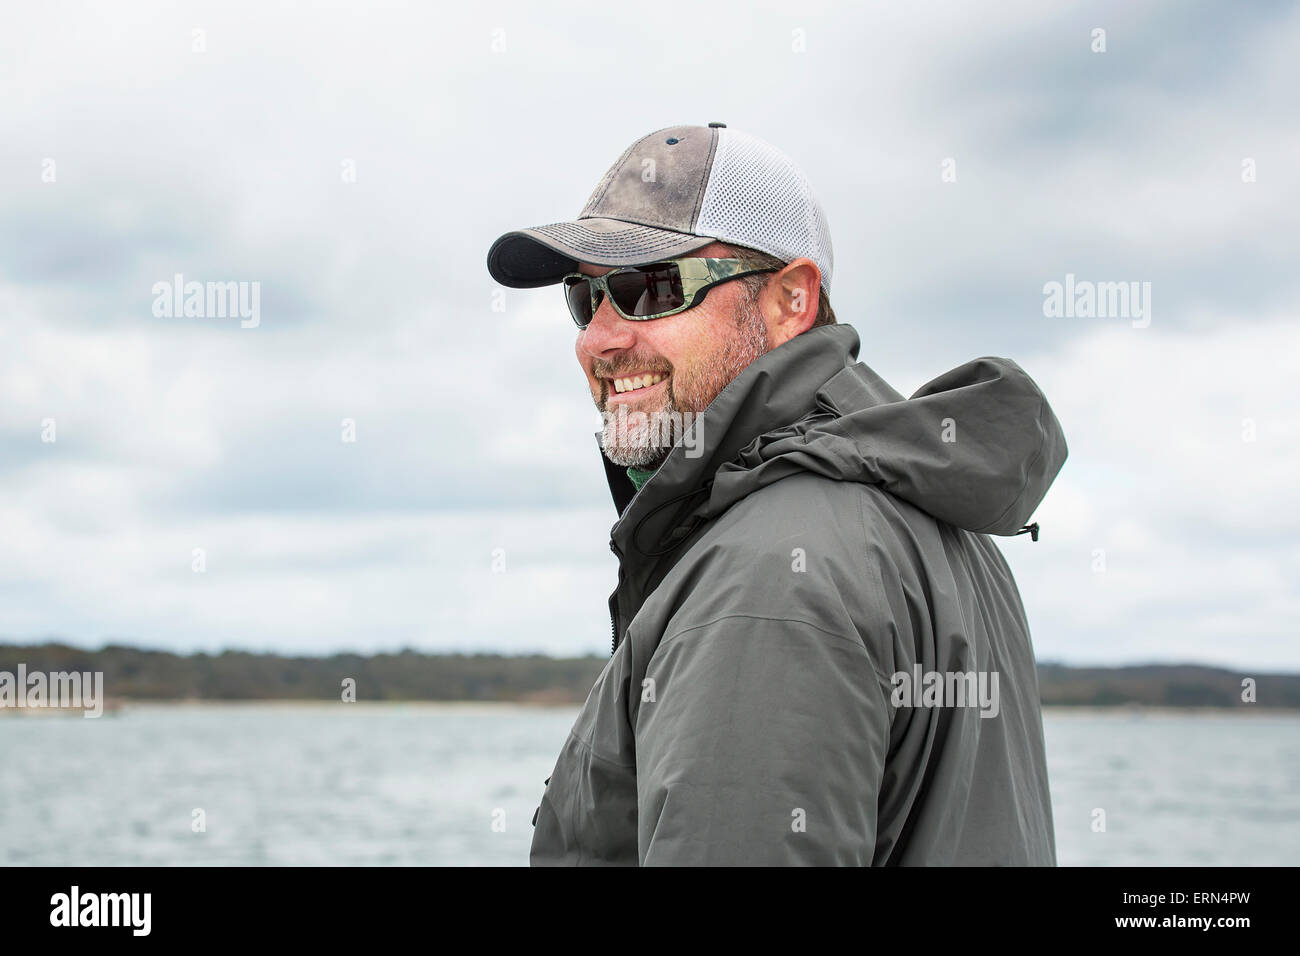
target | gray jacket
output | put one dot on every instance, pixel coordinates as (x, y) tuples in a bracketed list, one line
[(831, 537)]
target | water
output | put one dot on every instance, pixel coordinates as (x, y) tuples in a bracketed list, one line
[(1177, 789), (278, 784), (336, 784)]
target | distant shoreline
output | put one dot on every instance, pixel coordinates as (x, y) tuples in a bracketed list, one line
[(114, 707), (131, 674)]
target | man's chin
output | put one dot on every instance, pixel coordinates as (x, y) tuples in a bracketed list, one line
[(642, 438), (644, 459)]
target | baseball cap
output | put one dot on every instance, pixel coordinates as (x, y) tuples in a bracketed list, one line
[(671, 192)]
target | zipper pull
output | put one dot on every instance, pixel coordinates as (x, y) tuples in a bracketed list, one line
[(539, 806)]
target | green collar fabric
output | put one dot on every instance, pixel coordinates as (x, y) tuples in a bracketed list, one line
[(639, 477)]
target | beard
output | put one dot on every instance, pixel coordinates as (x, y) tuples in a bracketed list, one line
[(643, 438)]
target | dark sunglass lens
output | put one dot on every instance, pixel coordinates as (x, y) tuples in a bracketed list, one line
[(650, 290), (578, 292)]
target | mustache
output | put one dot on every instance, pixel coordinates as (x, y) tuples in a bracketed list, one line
[(606, 370)]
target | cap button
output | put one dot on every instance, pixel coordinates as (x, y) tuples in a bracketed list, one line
[(717, 126)]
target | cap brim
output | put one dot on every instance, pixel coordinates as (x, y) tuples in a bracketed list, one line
[(543, 255)]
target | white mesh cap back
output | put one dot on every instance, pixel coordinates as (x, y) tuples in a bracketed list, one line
[(758, 197)]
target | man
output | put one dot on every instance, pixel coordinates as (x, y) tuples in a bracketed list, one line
[(820, 657)]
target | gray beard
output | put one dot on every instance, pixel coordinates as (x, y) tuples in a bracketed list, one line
[(643, 440)]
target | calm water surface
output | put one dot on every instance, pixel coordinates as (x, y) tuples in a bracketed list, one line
[(335, 784)]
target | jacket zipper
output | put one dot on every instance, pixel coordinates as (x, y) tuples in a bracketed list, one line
[(613, 601)]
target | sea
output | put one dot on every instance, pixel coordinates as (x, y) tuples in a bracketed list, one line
[(396, 784)]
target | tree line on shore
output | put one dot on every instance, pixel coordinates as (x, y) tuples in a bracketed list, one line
[(132, 673)]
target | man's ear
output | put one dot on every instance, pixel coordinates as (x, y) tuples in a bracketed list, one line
[(793, 296)]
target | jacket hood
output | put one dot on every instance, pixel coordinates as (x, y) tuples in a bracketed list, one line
[(977, 447)]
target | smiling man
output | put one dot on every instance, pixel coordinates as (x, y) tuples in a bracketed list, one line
[(819, 655)]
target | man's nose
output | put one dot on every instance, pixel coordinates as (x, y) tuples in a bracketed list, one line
[(608, 331)]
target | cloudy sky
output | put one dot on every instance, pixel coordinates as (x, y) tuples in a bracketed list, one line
[(357, 164)]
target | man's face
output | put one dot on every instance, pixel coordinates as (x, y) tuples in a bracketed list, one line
[(689, 358)]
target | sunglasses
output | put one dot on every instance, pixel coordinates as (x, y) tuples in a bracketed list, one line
[(650, 292)]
